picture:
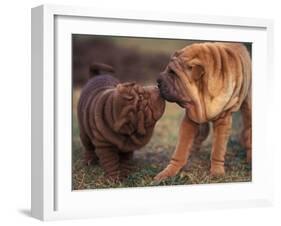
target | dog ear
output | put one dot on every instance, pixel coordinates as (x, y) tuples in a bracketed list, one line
[(140, 123), (128, 124), (125, 125)]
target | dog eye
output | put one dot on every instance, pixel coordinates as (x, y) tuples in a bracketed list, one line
[(188, 67), (171, 71), (128, 97)]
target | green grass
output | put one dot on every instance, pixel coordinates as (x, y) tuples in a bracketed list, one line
[(152, 158)]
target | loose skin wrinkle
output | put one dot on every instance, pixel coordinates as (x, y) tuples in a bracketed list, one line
[(115, 119), (216, 81)]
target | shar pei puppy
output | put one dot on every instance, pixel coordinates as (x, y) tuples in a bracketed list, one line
[(210, 81), (115, 119)]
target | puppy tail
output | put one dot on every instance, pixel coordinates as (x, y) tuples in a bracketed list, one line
[(99, 69)]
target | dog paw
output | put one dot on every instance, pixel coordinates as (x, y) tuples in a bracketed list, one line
[(217, 171), (89, 162), (90, 158), (114, 178), (161, 176), (169, 171)]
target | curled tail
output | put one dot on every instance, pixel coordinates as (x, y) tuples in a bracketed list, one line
[(99, 69)]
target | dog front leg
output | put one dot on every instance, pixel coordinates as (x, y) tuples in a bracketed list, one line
[(109, 161), (126, 163), (187, 133)]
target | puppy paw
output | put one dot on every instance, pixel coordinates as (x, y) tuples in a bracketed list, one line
[(217, 171), (113, 178), (90, 158), (89, 162), (124, 173)]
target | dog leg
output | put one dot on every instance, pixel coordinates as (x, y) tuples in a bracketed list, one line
[(90, 156), (201, 136), (222, 129), (187, 133), (109, 161), (246, 138), (126, 164)]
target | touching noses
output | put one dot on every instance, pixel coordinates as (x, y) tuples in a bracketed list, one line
[(160, 79)]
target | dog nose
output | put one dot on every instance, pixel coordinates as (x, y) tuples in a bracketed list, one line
[(159, 79)]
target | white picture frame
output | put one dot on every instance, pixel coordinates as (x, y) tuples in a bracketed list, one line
[(52, 196)]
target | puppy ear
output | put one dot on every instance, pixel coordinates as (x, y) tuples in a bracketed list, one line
[(123, 126), (119, 124), (197, 72)]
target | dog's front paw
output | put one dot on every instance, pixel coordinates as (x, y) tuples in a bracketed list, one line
[(90, 158), (161, 176), (113, 177), (169, 171)]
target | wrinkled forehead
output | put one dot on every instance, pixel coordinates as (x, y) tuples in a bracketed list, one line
[(130, 87), (132, 91), (188, 52)]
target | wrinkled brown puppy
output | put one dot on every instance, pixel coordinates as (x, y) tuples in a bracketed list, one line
[(209, 80), (115, 119)]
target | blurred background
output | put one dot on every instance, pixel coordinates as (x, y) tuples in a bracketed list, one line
[(134, 59), (141, 60)]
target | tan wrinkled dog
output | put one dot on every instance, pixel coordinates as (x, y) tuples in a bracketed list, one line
[(211, 81)]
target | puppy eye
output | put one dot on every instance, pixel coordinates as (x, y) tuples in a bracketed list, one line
[(128, 97), (188, 67)]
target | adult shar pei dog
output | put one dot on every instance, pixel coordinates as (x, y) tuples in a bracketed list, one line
[(211, 81), (116, 119)]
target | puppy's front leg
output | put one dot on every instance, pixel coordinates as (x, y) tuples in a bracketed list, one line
[(109, 161), (126, 163), (187, 133), (222, 129)]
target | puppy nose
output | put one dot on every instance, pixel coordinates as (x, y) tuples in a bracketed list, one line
[(159, 79)]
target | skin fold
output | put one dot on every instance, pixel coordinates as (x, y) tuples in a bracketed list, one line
[(115, 119), (210, 81)]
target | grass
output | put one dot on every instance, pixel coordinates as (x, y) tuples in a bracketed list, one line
[(152, 158)]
